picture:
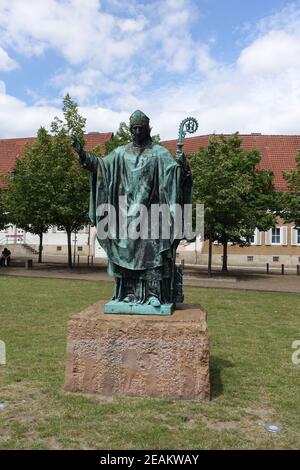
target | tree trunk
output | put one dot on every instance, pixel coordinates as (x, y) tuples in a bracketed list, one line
[(225, 256), (210, 255), (69, 250), (40, 247)]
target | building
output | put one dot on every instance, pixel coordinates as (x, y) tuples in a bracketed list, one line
[(280, 245), (55, 240)]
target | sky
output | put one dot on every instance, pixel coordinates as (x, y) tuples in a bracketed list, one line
[(232, 64)]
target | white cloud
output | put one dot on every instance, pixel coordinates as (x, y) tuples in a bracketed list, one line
[(85, 33), (131, 25), (87, 85), (175, 47), (20, 120), (112, 54), (102, 119), (286, 19), (260, 92), (274, 52), (6, 63), (2, 88), (79, 30)]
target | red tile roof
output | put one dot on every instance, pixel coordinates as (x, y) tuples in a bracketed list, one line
[(11, 149), (278, 152)]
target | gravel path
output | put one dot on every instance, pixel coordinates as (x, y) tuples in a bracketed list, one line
[(194, 277)]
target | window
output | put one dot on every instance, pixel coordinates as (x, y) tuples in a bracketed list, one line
[(79, 248), (276, 236), (8, 229), (84, 229), (60, 229), (250, 258), (58, 248), (295, 236), (275, 259), (256, 238)]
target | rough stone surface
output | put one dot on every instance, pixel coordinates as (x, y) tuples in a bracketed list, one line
[(141, 356)]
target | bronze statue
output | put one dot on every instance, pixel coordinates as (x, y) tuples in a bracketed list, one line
[(140, 174)]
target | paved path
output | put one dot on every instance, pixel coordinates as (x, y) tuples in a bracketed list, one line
[(194, 277)]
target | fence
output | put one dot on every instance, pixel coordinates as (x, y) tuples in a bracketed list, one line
[(283, 269)]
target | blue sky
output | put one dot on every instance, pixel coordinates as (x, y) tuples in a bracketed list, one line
[(233, 64)]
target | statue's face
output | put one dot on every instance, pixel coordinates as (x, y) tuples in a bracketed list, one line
[(140, 134)]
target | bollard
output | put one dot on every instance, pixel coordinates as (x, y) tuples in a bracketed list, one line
[(77, 259), (298, 270), (268, 268), (282, 269)]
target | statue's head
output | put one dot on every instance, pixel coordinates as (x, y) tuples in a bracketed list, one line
[(140, 128)]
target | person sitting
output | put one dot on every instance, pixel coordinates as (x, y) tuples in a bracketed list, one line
[(5, 257)]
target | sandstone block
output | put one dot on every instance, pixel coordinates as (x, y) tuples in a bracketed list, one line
[(139, 355)]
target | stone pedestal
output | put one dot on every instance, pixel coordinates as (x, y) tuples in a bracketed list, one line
[(140, 356)]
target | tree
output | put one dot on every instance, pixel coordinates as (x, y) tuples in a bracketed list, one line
[(70, 200), (31, 189), (3, 209), (291, 199), (122, 137), (237, 197)]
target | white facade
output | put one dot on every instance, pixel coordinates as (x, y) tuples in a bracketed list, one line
[(84, 243), (55, 242)]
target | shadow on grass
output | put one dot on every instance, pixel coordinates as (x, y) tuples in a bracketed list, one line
[(216, 367)]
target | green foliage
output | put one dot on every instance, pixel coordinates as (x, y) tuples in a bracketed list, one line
[(291, 199), (3, 209), (31, 186), (48, 186), (70, 201), (97, 151), (122, 137), (73, 124), (237, 196), (156, 139), (71, 191)]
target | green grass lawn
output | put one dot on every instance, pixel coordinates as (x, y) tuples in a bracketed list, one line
[(253, 379)]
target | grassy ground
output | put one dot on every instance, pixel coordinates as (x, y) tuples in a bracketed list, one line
[(253, 379)]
